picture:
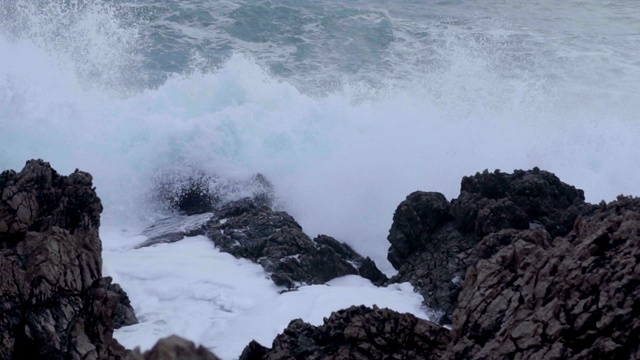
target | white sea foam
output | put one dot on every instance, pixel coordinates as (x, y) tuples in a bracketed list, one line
[(340, 163), (191, 289)]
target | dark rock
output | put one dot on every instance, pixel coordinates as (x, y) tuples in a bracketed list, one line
[(538, 195), (248, 229), (253, 351), (173, 348), (276, 241), (55, 303), (357, 333), (433, 241), (575, 297), (123, 315), (418, 216)]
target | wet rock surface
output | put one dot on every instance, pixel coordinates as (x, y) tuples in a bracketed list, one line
[(276, 241), (173, 348), (528, 296), (433, 240), (574, 297), (530, 270), (55, 303), (248, 229), (357, 333)]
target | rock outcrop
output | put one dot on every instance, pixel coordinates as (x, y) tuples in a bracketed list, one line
[(527, 296), (55, 303), (248, 229), (276, 241), (173, 348), (357, 333), (433, 240), (574, 297)]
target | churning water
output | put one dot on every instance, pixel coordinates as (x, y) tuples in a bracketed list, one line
[(346, 106)]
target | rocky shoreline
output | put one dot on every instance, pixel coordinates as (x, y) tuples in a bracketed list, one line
[(518, 266)]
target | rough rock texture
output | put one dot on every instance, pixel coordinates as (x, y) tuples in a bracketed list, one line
[(357, 333), (173, 348), (276, 241), (123, 315), (528, 296), (54, 302), (432, 240), (250, 230), (575, 297)]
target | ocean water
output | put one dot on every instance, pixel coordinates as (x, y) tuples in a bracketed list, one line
[(345, 106)]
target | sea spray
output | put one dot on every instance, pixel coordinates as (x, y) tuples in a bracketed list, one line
[(451, 96)]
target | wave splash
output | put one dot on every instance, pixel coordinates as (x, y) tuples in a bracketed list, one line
[(71, 92)]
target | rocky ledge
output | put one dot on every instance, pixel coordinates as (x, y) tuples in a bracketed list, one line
[(358, 333), (546, 276), (433, 241), (55, 303), (523, 267), (250, 229)]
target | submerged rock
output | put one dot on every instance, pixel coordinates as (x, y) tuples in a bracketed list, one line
[(358, 332), (433, 240), (55, 303)]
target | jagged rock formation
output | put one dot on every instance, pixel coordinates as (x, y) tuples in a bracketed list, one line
[(250, 230), (574, 297), (542, 274), (528, 296), (276, 241), (123, 315), (357, 333), (432, 240), (173, 348), (55, 303)]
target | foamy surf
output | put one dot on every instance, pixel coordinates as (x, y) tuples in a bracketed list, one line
[(233, 300)]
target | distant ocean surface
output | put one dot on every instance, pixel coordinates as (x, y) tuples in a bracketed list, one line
[(345, 106)]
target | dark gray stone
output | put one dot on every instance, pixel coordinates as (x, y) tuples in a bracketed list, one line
[(433, 241), (55, 303), (357, 333)]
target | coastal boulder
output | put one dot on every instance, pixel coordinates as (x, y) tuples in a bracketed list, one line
[(358, 332), (574, 297), (55, 303), (173, 348), (249, 229), (433, 240), (275, 240)]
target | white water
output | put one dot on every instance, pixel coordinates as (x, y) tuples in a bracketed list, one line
[(191, 289), (340, 164)]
